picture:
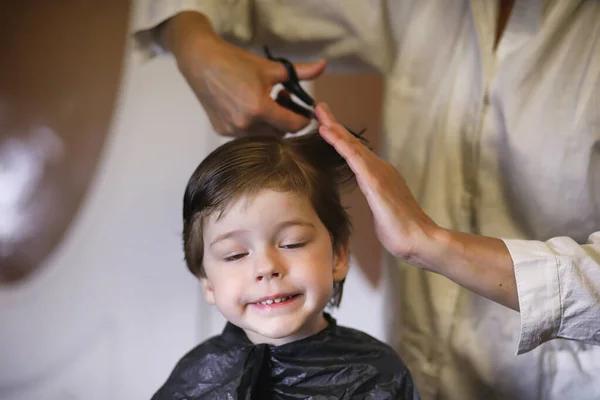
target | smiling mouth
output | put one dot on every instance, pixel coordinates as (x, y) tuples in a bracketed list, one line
[(277, 300)]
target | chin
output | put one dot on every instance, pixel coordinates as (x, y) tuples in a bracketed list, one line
[(280, 333)]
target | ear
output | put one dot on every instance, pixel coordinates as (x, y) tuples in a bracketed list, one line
[(209, 293), (341, 257)]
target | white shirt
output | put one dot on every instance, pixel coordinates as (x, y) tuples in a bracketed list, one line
[(502, 143)]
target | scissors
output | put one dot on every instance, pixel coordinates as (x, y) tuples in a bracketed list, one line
[(293, 87)]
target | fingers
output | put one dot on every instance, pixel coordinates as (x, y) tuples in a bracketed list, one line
[(325, 115), (353, 152), (326, 119), (285, 100), (356, 154), (282, 118), (312, 70)]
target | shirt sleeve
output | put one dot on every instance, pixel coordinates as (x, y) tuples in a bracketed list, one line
[(149, 14), (351, 34), (558, 283)]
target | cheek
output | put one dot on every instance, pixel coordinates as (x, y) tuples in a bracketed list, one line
[(226, 283), (228, 297), (316, 266)]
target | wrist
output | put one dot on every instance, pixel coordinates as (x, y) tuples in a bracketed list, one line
[(431, 248), (443, 251), (478, 263)]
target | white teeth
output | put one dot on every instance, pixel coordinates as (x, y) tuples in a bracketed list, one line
[(277, 300)]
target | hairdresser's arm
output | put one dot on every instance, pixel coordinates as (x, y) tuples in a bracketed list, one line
[(353, 34), (232, 84), (558, 280), (481, 264)]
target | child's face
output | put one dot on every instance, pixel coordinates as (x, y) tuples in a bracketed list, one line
[(270, 266)]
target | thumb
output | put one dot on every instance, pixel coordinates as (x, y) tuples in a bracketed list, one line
[(278, 72), (310, 70)]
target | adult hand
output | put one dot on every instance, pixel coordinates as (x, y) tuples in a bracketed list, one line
[(400, 223), (233, 85), (479, 263)]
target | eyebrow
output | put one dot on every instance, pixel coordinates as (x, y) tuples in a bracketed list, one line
[(279, 227), (293, 222), (227, 235)]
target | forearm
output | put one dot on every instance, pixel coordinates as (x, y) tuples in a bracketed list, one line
[(558, 279), (478, 263), (185, 33)]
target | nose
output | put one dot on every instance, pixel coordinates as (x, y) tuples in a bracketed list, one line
[(268, 267)]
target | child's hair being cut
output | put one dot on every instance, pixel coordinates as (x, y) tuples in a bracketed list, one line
[(305, 164)]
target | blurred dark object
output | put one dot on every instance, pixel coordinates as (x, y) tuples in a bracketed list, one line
[(60, 65)]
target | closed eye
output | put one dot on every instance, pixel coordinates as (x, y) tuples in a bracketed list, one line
[(293, 245), (235, 257)]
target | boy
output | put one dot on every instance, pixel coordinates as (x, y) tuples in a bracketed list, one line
[(266, 234)]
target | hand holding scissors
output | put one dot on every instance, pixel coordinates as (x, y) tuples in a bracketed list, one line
[(232, 84)]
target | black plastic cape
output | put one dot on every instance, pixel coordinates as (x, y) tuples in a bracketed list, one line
[(336, 363)]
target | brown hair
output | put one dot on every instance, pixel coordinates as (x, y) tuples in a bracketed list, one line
[(305, 164)]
